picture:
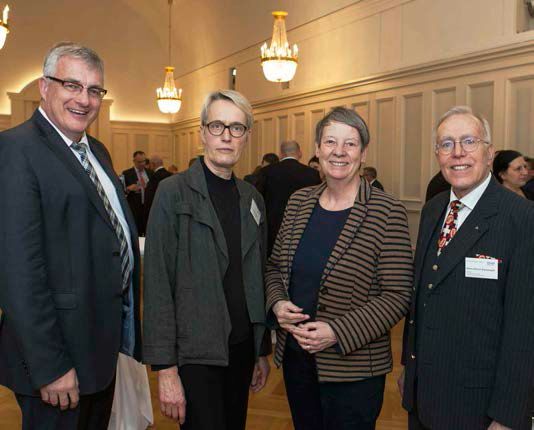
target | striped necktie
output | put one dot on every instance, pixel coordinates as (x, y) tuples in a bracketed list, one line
[(126, 269)]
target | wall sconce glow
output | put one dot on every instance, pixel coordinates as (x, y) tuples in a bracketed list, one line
[(279, 61), (169, 98), (4, 28)]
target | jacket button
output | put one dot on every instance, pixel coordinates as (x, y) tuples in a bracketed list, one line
[(410, 322), (430, 286), (412, 356), (435, 267)]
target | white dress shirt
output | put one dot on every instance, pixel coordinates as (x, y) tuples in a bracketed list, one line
[(108, 186)]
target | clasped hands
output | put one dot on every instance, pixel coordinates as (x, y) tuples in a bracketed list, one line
[(313, 337), (62, 392)]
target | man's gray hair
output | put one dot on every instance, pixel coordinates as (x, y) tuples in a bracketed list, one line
[(288, 147), (344, 116), (73, 50), (236, 98), (483, 123)]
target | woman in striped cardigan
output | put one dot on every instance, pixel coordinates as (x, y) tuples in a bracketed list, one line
[(338, 279)]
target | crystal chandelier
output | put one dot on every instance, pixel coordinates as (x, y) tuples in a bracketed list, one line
[(279, 61), (4, 28), (169, 97)]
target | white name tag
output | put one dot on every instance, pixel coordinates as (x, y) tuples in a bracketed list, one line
[(255, 211), (482, 268)]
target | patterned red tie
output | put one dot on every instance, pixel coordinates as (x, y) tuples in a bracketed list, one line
[(449, 228)]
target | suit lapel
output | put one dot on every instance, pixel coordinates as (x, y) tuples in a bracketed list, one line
[(249, 227), (56, 144), (473, 228)]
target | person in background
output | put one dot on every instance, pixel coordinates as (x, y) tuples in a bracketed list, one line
[(135, 181), (69, 269), (314, 164), (468, 343), (159, 174), (511, 170), (437, 185), (370, 174), (268, 159), (529, 186), (204, 300), (279, 180), (338, 279)]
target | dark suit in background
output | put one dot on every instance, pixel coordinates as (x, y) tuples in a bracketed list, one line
[(436, 185), (137, 199), (377, 184), (60, 268), (276, 183), (159, 175)]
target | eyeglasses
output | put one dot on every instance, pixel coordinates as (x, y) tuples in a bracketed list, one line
[(468, 144), (236, 129), (76, 88)]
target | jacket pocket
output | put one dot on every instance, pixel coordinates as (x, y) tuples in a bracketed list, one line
[(65, 300)]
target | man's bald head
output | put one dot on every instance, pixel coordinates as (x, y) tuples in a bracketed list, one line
[(290, 148), (156, 161)]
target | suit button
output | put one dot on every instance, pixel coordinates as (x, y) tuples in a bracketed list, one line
[(410, 322), (412, 356), (116, 254), (435, 267), (430, 286), (424, 305), (413, 288)]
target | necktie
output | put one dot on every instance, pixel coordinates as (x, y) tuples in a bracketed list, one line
[(81, 148), (142, 183), (450, 227)]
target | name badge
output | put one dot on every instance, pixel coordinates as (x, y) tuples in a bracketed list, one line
[(255, 211), (482, 268)]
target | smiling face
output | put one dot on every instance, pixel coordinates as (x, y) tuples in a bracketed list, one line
[(221, 153), (464, 170), (340, 152), (516, 175), (71, 113)]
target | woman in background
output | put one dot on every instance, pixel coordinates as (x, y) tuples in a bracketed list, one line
[(511, 170)]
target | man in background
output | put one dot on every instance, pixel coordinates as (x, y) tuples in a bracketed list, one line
[(69, 267), (370, 174), (160, 173), (136, 180), (279, 180), (268, 159)]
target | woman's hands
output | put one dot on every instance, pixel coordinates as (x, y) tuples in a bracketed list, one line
[(314, 336), (288, 314)]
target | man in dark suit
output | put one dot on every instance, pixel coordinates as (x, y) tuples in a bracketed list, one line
[(436, 185), (160, 173), (69, 266), (136, 180), (370, 174), (279, 180), (469, 338)]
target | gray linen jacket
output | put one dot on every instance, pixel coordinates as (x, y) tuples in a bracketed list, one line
[(186, 319)]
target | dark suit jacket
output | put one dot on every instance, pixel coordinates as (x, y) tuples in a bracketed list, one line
[(377, 184), (139, 210), (436, 185), (60, 266), (474, 356), (276, 183), (152, 186)]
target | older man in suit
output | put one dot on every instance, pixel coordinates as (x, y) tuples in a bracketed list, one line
[(69, 256), (469, 338), (278, 181)]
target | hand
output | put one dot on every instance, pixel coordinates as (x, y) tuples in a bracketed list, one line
[(133, 188), (496, 426), (314, 336), (400, 382), (288, 314), (171, 394), (63, 391), (261, 372)]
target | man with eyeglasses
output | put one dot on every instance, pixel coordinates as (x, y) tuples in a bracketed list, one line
[(204, 310), (69, 258), (469, 338)]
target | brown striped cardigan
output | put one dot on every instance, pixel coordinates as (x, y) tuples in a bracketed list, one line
[(365, 287)]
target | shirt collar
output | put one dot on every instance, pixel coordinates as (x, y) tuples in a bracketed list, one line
[(289, 158), (471, 199), (68, 141)]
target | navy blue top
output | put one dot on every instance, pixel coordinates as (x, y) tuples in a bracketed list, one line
[(311, 256)]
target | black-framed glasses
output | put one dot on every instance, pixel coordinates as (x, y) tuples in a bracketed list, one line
[(236, 129), (468, 144), (77, 88)]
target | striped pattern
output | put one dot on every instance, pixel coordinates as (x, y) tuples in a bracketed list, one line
[(126, 265), (365, 287)]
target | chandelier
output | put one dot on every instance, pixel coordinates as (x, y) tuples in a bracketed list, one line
[(279, 61), (4, 28), (169, 98)]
